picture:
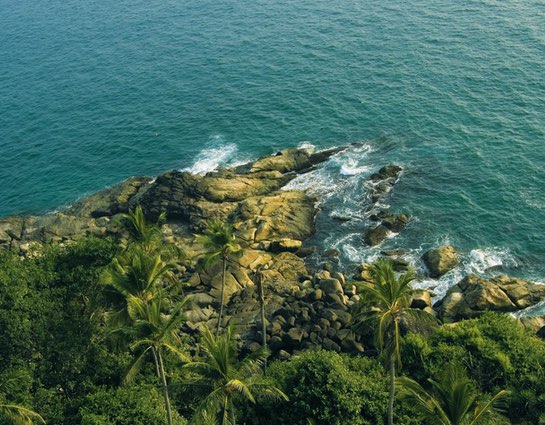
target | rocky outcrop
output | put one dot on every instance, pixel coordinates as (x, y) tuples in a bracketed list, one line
[(378, 187), (248, 196), (474, 295), (440, 260), (98, 214), (383, 181)]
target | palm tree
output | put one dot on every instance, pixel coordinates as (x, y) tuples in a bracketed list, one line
[(259, 282), (228, 380), (19, 415), (148, 236), (153, 332), (133, 277), (220, 242), (383, 304), (452, 400), (141, 232), (13, 413)]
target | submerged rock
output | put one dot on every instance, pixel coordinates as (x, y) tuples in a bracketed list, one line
[(376, 235)]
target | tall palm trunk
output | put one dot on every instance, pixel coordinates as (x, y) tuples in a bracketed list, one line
[(263, 327), (164, 383), (391, 394), (224, 258), (156, 362)]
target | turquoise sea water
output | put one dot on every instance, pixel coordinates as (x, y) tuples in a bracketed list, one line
[(93, 92)]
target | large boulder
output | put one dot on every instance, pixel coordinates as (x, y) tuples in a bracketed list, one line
[(474, 295), (285, 215), (440, 260)]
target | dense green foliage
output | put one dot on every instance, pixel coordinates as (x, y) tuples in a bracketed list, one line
[(498, 353), (329, 388), (47, 329), (55, 340), (133, 405)]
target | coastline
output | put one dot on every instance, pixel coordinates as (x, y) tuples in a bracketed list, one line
[(273, 223)]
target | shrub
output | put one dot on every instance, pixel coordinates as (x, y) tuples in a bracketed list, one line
[(134, 405), (498, 353), (328, 388)]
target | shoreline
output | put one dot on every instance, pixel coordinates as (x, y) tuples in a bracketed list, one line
[(273, 223)]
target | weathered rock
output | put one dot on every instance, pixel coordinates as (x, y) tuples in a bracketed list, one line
[(289, 245), (109, 202), (285, 269), (289, 214), (11, 229), (332, 253), (331, 286), (386, 172), (440, 260), (364, 273), (199, 300), (376, 235), (395, 222), (315, 295), (330, 345), (284, 161), (421, 299), (533, 324), (293, 337), (197, 315), (474, 295)]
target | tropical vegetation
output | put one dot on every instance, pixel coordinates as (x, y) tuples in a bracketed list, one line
[(91, 333)]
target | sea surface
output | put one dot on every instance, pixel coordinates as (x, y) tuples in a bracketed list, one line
[(92, 92)]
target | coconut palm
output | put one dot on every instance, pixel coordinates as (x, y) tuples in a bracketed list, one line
[(13, 413), (148, 236), (19, 415), (141, 232), (383, 304), (133, 277), (227, 380), (220, 242), (452, 400), (152, 331), (258, 278)]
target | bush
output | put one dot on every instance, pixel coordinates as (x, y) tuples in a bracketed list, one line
[(134, 405), (328, 388), (498, 353)]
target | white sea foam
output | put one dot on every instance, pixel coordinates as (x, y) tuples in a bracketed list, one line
[(337, 175), (483, 260), (210, 158), (479, 261), (535, 310), (306, 145), (352, 167)]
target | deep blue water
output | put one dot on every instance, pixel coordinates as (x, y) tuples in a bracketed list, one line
[(92, 92)]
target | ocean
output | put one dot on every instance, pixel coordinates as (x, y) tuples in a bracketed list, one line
[(94, 92)]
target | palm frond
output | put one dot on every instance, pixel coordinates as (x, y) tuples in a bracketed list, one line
[(235, 385), (484, 408), (135, 366), (20, 415)]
